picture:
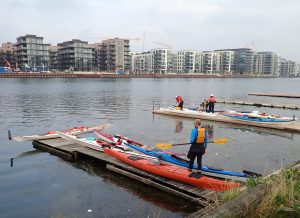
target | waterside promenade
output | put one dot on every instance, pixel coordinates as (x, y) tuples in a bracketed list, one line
[(111, 75)]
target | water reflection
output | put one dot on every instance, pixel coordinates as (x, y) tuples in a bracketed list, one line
[(210, 130), (147, 193), (24, 154), (179, 126), (260, 131)]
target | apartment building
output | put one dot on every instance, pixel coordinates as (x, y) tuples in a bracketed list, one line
[(32, 52), (75, 55), (183, 62), (53, 59), (114, 55), (288, 68), (142, 62), (266, 63)]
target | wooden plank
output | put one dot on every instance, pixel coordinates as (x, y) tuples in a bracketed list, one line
[(259, 104), (157, 185), (73, 150)]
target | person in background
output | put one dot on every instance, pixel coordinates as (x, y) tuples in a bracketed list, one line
[(198, 139), (211, 103), (179, 102), (204, 106)]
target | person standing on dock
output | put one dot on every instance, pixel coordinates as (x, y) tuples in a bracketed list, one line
[(204, 106), (179, 102), (211, 103), (198, 139)]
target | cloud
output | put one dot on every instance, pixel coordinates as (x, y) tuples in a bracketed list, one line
[(185, 24)]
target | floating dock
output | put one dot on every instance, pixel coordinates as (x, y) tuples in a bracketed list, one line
[(293, 126), (275, 95), (73, 152), (258, 104)]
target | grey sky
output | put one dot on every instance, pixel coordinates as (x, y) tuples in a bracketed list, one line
[(272, 25)]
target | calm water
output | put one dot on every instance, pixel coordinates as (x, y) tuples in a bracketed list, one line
[(42, 185)]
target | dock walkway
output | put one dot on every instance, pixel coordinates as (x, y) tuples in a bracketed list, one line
[(293, 126), (259, 104), (275, 95), (73, 152)]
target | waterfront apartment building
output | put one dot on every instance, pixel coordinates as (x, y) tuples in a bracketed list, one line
[(288, 68), (142, 62), (183, 62), (53, 60), (155, 61), (243, 60), (75, 55), (114, 55), (32, 52), (266, 63), (161, 60), (7, 52)]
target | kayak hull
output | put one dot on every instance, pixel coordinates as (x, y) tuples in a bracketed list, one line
[(173, 159), (257, 119), (52, 135), (172, 172)]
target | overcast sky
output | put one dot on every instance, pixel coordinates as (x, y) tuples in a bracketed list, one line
[(264, 25)]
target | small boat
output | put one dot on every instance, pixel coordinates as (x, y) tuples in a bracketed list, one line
[(172, 172), (95, 144), (189, 111), (169, 157), (53, 134), (255, 116)]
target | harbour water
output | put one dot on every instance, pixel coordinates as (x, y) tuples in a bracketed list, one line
[(41, 185)]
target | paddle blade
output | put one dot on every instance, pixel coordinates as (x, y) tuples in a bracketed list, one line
[(220, 141), (163, 145)]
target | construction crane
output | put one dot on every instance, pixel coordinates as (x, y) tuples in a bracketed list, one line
[(164, 44)]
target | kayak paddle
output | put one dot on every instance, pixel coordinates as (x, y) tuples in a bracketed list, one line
[(169, 145)]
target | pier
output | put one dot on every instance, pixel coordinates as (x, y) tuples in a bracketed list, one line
[(292, 126), (258, 104), (74, 152), (275, 95)]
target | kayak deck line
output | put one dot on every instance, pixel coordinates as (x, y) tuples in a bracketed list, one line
[(258, 104), (71, 151), (292, 126)]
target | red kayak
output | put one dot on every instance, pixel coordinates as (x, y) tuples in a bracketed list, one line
[(171, 172)]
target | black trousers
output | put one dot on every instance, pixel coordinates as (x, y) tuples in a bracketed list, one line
[(211, 108), (192, 155)]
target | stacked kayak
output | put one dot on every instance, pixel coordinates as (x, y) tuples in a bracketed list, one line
[(255, 116), (167, 157), (53, 134), (95, 144), (171, 172)]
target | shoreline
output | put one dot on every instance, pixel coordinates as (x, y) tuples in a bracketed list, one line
[(111, 75)]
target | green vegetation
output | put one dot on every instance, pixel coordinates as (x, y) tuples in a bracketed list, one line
[(282, 200)]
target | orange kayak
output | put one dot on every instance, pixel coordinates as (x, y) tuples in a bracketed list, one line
[(171, 172)]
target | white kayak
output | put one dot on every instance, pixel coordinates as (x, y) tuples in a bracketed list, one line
[(53, 134), (188, 111), (95, 144)]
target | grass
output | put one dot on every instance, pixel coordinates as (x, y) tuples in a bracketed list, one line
[(283, 199)]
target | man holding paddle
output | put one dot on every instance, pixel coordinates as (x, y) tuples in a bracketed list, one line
[(198, 139)]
